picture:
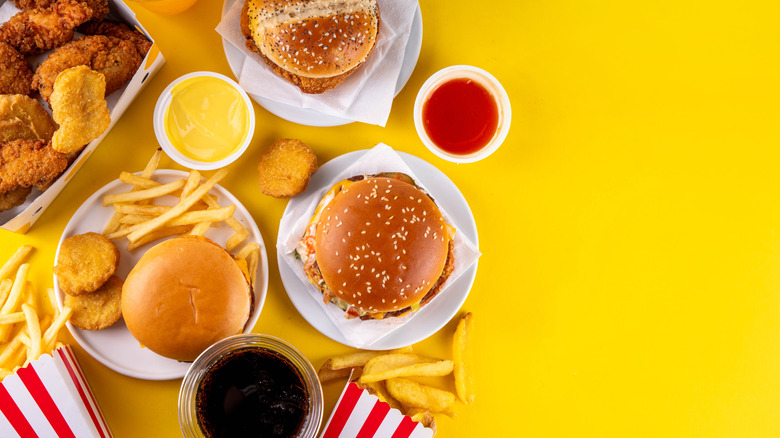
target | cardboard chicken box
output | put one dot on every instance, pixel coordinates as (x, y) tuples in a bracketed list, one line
[(19, 219)]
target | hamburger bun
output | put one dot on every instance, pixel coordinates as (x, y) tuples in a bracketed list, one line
[(314, 44), (183, 295), (382, 248)]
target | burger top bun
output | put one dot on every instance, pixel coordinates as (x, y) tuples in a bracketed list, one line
[(313, 43), (183, 295), (381, 244)]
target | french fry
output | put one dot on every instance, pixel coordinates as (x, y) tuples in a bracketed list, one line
[(12, 302), (15, 261), (134, 219), (34, 332), (200, 229), (380, 391), (463, 360), (248, 249), (146, 210), (158, 234), (5, 289), (423, 416), (327, 374), (8, 356), (137, 180), (391, 366), (192, 181), (182, 206), (359, 358), (12, 318), (419, 396), (51, 333), (139, 195)]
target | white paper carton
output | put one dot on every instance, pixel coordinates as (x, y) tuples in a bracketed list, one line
[(21, 218), (360, 414), (50, 398)]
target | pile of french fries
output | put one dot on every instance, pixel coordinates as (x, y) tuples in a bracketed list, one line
[(27, 330), (386, 374), (138, 219)]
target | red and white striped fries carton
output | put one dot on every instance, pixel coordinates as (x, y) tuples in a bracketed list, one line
[(50, 398), (359, 414)]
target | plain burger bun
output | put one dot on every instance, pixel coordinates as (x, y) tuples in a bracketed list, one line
[(183, 295), (315, 44), (381, 245)]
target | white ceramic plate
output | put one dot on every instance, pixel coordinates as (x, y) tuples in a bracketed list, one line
[(115, 347), (433, 316), (310, 117)]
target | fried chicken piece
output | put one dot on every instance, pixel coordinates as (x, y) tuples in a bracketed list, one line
[(26, 163), (35, 31), (100, 7), (99, 309), (85, 262), (12, 198), (15, 73), (117, 30), (23, 118), (285, 168), (116, 59)]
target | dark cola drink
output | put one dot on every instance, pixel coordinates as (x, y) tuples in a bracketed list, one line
[(252, 392)]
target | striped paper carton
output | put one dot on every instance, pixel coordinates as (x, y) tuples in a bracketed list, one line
[(50, 398), (359, 414)]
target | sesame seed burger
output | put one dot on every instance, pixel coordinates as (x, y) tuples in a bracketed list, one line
[(314, 44), (377, 247)]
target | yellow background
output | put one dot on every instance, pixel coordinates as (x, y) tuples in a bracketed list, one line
[(630, 277)]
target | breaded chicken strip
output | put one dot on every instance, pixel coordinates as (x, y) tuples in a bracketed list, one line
[(116, 59), (37, 30), (117, 30), (100, 7), (27, 163), (15, 73)]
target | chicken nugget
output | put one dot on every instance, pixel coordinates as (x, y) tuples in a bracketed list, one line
[(85, 262), (79, 106), (99, 309), (286, 167), (116, 59), (23, 118), (35, 31), (15, 74)]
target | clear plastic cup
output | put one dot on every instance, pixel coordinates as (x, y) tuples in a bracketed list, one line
[(188, 415)]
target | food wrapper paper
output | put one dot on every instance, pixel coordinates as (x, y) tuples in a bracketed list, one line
[(366, 96), (19, 219), (362, 334), (50, 398), (358, 413)]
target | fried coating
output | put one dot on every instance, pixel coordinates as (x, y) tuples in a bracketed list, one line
[(35, 31), (27, 163), (99, 309), (285, 168), (85, 262), (23, 118), (117, 30), (15, 73), (12, 198), (116, 59), (99, 7), (78, 104)]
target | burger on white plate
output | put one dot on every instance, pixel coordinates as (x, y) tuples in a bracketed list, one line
[(185, 294), (377, 246), (314, 44)]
